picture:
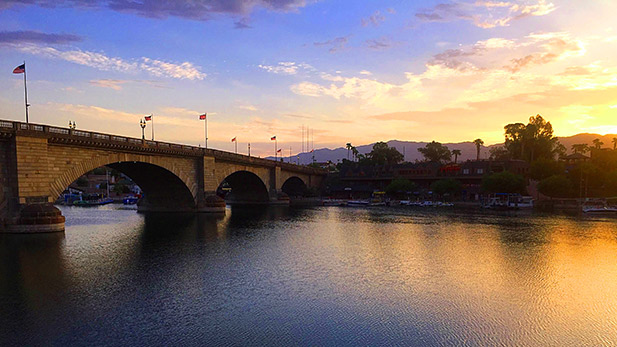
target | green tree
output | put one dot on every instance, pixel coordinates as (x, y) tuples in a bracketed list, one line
[(532, 141), (82, 181), (435, 151), (597, 144), (614, 143), (544, 168), (456, 153), (446, 186), (478, 143), (580, 148), (384, 154), (557, 186), (610, 183), (499, 153), (400, 186), (348, 146), (503, 182)]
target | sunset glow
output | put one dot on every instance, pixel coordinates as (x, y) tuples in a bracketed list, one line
[(354, 71)]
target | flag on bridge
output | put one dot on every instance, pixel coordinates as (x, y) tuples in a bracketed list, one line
[(233, 140), (202, 116), (148, 118), (279, 151), (20, 69), (273, 138)]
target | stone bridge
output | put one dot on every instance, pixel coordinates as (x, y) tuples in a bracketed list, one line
[(38, 162)]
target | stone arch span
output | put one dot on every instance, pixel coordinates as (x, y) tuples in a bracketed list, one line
[(167, 186), (246, 188), (294, 187)]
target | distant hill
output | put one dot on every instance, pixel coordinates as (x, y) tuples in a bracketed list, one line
[(410, 149)]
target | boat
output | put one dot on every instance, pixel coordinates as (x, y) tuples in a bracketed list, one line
[(597, 206), (92, 202), (130, 200), (333, 202), (358, 203), (508, 201)]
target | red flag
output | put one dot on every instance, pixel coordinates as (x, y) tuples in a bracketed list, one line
[(202, 116), (148, 118), (273, 138), (233, 140), (279, 151), (20, 69)]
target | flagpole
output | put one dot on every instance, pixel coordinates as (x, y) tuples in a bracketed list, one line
[(236, 143), (206, 129), (25, 92), (152, 117), (275, 149)]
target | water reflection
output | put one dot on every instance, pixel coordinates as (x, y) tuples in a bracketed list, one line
[(317, 276)]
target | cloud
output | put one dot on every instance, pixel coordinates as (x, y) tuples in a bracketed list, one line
[(381, 43), (109, 83), (534, 49), (248, 108), (243, 23), (486, 14), (286, 68), (29, 36), (161, 9), (465, 75), (100, 61), (336, 44), (374, 19)]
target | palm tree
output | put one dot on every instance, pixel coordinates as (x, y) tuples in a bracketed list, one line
[(614, 143), (478, 143), (597, 143), (456, 153), (348, 146), (354, 153), (580, 148)]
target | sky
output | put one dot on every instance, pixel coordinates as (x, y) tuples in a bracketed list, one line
[(353, 71)]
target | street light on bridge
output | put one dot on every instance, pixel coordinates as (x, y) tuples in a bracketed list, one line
[(72, 125), (142, 124)]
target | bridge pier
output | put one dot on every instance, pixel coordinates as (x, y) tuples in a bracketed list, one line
[(35, 218)]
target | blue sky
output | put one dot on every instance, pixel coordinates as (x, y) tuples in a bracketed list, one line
[(355, 71)]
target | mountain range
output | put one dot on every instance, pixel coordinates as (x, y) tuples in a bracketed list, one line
[(410, 149)]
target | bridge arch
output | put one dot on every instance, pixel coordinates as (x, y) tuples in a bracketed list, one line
[(294, 186), (167, 185), (244, 187)]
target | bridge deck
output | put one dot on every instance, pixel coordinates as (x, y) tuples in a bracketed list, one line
[(122, 143)]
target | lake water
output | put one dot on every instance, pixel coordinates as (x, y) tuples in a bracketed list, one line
[(321, 276)]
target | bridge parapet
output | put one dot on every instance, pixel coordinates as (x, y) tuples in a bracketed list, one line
[(89, 138)]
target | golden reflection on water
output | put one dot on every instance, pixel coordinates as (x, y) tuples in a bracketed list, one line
[(559, 278), (466, 278)]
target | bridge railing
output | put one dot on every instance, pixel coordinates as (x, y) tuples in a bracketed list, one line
[(53, 131)]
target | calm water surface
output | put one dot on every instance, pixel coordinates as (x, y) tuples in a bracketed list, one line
[(323, 276)]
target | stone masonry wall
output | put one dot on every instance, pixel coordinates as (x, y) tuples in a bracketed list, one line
[(66, 164)]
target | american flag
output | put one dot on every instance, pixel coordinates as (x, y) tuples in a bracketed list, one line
[(233, 140), (20, 69), (202, 116), (147, 118), (279, 151), (273, 138)]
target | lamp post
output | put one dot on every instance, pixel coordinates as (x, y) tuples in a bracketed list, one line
[(72, 125), (142, 124)]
